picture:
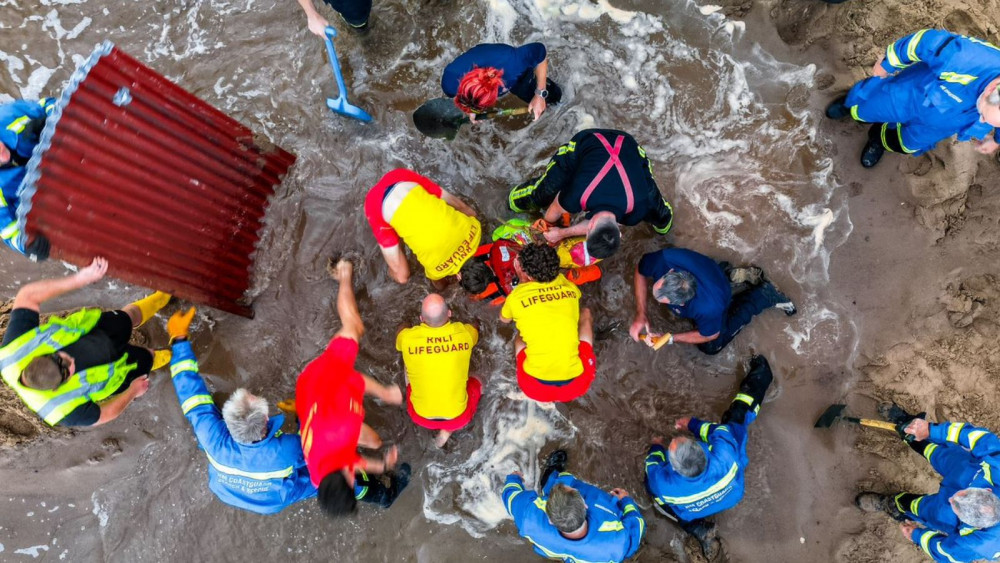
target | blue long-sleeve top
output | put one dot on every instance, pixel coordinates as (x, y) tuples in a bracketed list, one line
[(720, 487), (957, 69), (615, 527), (20, 125), (968, 544), (263, 477)]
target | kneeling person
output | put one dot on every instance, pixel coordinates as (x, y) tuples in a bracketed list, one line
[(78, 370), (440, 394), (554, 345), (440, 229), (573, 520), (693, 480)]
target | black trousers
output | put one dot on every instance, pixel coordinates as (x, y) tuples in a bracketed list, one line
[(524, 88), (354, 12)]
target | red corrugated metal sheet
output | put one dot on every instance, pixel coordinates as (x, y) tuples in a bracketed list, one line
[(169, 189)]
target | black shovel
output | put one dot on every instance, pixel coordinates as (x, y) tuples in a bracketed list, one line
[(440, 118), (836, 412)]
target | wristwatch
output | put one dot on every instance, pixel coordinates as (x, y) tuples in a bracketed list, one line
[(543, 93)]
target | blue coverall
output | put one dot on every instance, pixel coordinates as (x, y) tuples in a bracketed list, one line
[(965, 456), (615, 527), (939, 78), (21, 124)]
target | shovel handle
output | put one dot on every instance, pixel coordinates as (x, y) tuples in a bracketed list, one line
[(877, 424), (502, 113)]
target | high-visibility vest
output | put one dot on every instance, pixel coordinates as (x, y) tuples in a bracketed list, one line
[(93, 384)]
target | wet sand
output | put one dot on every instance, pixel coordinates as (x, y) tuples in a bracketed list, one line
[(913, 307)]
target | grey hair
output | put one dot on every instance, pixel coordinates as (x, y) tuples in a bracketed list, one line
[(994, 98), (566, 509), (245, 416), (979, 508), (678, 287), (687, 458)]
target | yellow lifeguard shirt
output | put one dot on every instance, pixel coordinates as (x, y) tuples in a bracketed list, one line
[(442, 237), (547, 316), (437, 364)]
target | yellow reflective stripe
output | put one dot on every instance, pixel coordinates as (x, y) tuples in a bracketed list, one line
[(555, 555), (195, 401), (185, 365), (957, 78), (885, 145), (666, 229), (915, 506), (568, 147), (854, 113), (611, 526), (540, 503), (987, 472), (966, 531), (662, 457), (743, 397), (974, 437), (911, 48), (10, 231), (929, 450), (703, 431), (18, 124), (925, 538), (722, 484), (896, 499), (899, 133), (954, 430), (511, 499), (890, 53), (946, 554), (3, 201), (259, 475)]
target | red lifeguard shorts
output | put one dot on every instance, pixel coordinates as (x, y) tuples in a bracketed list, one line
[(475, 390), (544, 392)]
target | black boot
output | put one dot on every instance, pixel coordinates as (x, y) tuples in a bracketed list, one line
[(838, 108), (877, 502), (707, 535), (555, 463)]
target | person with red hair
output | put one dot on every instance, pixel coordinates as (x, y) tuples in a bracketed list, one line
[(491, 70)]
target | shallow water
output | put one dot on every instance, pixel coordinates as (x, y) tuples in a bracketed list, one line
[(734, 150)]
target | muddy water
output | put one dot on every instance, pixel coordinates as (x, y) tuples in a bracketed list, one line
[(726, 124)]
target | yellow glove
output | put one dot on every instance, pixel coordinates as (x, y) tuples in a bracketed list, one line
[(287, 406), (179, 323)]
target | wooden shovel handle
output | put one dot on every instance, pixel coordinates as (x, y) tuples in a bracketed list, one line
[(877, 424)]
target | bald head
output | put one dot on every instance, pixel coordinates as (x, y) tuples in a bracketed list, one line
[(434, 310)]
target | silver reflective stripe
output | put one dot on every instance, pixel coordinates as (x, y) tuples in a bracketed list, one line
[(82, 391), (30, 346)]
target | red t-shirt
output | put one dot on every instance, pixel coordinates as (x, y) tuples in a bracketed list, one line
[(329, 398)]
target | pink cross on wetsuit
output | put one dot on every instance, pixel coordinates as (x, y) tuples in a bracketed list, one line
[(614, 161)]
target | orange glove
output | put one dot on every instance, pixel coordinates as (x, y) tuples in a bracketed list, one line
[(179, 324)]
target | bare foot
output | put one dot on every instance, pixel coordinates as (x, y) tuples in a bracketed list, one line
[(340, 270), (442, 438), (393, 395), (391, 457)]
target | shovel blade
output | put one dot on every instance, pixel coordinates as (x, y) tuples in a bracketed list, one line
[(439, 119), (340, 105), (830, 416)]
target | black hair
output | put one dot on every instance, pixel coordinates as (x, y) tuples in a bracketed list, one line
[(540, 262), (336, 495), (604, 240), (476, 276)]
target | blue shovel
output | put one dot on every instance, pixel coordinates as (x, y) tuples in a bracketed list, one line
[(340, 103)]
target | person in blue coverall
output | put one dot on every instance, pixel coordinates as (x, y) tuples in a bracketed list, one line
[(927, 87), (21, 124), (252, 464), (961, 522), (692, 480), (573, 521)]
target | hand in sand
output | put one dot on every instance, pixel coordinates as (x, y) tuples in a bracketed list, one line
[(393, 395), (94, 271), (391, 457), (341, 270), (639, 326), (919, 429), (989, 146), (537, 106), (618, 493), (907, 529), (657, 440), (877, 70), (682, 423)]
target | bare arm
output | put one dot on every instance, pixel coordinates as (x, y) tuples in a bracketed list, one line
[(694, 337), (538, 103), (640, 323), (112, 408), (554, 212), (556, 234), (317, 23), (32, 295), (454, 201), (390, 394), (399, 269)]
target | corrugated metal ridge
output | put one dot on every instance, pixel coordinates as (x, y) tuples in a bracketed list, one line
[(171, 190)]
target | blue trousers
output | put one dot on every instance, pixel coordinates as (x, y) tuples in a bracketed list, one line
[(958, 469), (898, 102), (354, 12), (744, 307)]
